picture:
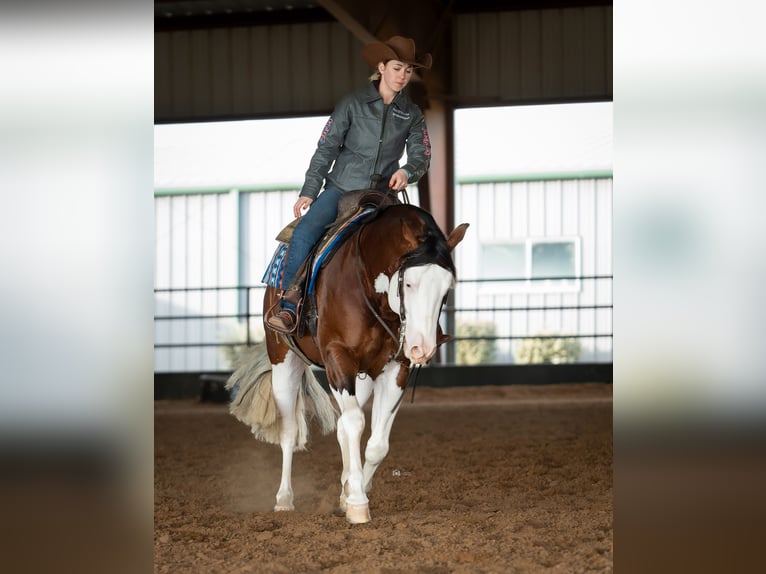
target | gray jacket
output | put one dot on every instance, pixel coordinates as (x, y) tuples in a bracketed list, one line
[(362, 142)]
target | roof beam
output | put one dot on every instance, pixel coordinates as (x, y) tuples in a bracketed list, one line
[(351, 23)]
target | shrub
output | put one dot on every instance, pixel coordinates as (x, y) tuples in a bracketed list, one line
[(548, 349), (475, 351)]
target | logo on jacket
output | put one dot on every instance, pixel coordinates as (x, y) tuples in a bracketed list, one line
[(325, 131), (426, 140), (401, 115)]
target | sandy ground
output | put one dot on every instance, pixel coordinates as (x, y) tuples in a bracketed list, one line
[(486, 479)]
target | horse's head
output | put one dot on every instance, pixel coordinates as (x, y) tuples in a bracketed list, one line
[(418, 288)]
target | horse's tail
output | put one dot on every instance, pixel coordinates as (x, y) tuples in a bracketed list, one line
[(253, 399)]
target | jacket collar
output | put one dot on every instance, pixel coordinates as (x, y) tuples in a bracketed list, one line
[(400, 99)]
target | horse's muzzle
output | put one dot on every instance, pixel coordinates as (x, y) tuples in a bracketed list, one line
[(421, 354)]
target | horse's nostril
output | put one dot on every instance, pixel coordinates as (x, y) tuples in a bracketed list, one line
[(416, 353)]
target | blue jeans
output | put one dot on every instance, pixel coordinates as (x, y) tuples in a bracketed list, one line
[(310, 228)]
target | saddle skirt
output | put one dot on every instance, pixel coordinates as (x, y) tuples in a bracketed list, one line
[(322, 252), (354, 208)]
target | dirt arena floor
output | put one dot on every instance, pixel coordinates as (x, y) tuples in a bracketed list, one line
[(483, 479)]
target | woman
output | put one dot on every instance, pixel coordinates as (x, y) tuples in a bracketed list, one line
[(366, 135)]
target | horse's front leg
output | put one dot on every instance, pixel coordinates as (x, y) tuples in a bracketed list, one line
[(350, 426), (363, 392), (286, 378), (385, 405)]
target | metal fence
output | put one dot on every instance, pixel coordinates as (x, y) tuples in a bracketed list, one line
[(198, 329)]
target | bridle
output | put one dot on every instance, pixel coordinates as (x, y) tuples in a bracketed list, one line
[(358, 264), (399, 340), (406, 263)]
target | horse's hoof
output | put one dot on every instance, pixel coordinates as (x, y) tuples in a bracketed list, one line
[(283, 507), (357, 513)]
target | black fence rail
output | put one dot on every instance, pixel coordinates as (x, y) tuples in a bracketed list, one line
[(177, 308)]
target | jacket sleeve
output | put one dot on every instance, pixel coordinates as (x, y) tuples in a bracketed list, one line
[(418, 150), (328, 148)]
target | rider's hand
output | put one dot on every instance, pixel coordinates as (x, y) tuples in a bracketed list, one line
[(398, 181), (301, 204)]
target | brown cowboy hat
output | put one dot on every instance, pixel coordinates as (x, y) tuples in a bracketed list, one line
[(395, 48)]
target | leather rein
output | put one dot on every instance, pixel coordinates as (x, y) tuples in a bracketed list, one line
[(399, 340), (358, 264)]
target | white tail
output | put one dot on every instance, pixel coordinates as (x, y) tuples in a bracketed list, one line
[(254, 402)]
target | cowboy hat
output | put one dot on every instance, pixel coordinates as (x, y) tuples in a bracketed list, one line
[(395, 48)]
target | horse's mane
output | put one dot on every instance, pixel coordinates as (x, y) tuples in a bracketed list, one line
[(432, 245)]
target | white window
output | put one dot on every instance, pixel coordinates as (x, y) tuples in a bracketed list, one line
[(532, 264)]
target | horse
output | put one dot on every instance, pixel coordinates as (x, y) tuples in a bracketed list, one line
[(377, 302)]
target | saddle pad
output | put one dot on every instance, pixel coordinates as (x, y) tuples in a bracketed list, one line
[(273, 274), (331, 241)]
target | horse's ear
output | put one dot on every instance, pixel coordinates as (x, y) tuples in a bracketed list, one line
[(456, 236)]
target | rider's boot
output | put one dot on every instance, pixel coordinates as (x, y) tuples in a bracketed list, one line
[(285, 320)]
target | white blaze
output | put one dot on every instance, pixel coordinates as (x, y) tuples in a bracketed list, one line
[(424, 289)]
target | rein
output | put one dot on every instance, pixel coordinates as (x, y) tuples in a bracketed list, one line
[(406, 262), (403, 323), (413, 376)]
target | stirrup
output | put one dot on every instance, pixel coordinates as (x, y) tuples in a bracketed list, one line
[(278, 321)]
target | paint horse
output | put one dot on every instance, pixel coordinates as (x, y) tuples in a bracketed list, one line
[(378, 302)]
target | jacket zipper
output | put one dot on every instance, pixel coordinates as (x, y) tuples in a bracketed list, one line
[(386, 109)]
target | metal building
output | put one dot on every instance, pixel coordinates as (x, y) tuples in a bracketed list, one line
[(260, 59)]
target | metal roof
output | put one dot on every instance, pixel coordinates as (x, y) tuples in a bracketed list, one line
[(191, 14)]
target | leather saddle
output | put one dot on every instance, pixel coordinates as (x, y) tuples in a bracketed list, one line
[(354, 208)]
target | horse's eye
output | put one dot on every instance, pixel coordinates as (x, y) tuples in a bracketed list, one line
[(408, 285)]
